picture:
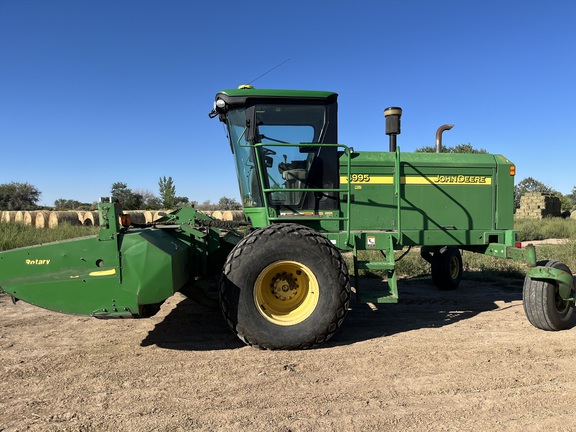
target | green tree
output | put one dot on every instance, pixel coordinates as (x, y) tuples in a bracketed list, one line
[(149, 200), (206, 205), (571, 197), (226, 203), (167, 192), (181, 201), (460, 148), (125, 196), (68, 204), (18, 196)]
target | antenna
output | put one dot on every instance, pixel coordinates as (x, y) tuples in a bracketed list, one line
[(267, 72)]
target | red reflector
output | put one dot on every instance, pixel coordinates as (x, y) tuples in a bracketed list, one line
[(518, 245)]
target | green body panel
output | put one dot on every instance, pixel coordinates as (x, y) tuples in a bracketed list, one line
[(92, 277), (442, 199), (66, 276)]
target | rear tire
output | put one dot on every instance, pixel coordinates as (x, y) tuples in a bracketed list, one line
[(447, 268), (284, 287), (544, 307)]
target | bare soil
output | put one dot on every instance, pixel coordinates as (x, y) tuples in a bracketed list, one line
[(466, 360)]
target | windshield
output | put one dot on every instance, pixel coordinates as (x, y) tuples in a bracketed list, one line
[(284, 167)]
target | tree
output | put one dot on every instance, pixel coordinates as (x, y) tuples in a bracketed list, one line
[(18, 196), (226, 203), (149, 200), (125, 196), (68, 204), (460, 148), (167, 192), (205, 205)]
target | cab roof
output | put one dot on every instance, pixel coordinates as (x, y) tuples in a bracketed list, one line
[(240, 95)]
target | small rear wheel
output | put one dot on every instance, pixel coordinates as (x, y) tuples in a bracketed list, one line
[(284, 287), (447, 268), (544, 307)]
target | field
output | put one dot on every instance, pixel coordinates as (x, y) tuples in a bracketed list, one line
[(466, 360)]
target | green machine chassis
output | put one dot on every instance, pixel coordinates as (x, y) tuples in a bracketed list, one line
[(282, 280)]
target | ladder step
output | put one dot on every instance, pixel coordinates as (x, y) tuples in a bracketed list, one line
[(376, 296), (375, 265)]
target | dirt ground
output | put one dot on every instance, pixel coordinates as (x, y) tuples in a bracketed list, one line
[(448, 361)]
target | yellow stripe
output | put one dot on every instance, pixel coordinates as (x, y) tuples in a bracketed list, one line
[(424, 180), (373, 180), (103, 273)]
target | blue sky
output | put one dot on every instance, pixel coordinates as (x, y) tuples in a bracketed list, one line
[(95, 92)]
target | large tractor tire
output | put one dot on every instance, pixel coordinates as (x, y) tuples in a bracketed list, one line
[(446, 267), (544, 307), (284, 287)]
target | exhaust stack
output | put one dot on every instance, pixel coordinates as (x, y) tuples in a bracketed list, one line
[(439, 132)]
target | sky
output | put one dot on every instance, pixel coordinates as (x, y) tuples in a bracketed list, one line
[(98, 92)]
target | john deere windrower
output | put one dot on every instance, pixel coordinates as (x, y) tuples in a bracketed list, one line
[(282, 280)]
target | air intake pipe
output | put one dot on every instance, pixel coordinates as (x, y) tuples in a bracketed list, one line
[(392, 115)]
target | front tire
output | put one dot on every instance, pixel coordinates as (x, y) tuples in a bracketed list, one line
[(284, 286), (544, 307), (447, 268)]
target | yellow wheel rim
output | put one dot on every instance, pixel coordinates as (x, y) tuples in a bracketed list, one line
[(286, 293), (454, 267)]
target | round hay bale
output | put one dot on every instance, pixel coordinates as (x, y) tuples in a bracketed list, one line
[(158, 214), (29, 217), (136, 217), (91, 218), (41, 219), (8, 216), (60, 217), (148, 216), (217, 214), (233, 215), (19, 216)]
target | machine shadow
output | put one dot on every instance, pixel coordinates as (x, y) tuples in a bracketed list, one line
[(186, 325), (422, 305)]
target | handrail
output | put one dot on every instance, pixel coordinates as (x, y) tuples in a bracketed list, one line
[(346, 190), (397, 194)]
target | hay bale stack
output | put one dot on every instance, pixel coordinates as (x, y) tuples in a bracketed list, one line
[(233, 215), (59, 217), (41, 219), (538, 206)]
